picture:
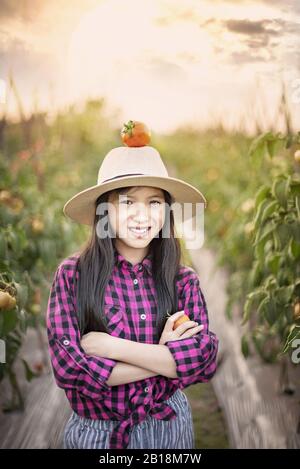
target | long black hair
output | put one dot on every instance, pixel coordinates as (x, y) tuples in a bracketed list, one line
[(96, 262)]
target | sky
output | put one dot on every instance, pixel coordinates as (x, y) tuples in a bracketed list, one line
[(168, 63)]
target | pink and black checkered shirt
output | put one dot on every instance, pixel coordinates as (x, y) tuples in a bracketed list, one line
[(130, 306)]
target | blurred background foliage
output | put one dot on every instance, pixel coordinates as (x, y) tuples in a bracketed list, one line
[(251, 222)]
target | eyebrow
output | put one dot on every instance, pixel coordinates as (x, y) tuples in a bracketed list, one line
[(149, 197)]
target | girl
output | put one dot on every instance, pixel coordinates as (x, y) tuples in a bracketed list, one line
[(112, 345)]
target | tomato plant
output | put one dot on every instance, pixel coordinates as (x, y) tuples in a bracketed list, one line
[(274, 277), (34, 234)]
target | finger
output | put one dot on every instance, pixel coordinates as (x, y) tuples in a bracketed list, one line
[(185, 326), (170, 322), (191, 332)]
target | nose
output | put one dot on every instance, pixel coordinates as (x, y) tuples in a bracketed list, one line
[(140, 215), (143, 221)]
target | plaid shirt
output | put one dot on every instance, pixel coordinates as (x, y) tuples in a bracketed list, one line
[(130, 307)]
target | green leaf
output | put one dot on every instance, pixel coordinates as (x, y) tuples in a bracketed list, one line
[(245, 346), (15, 242), (275, 145), (264, 234), (252, 300), (258, 339), (258, 148), (271, 312), (284, 233), (259, 252), (280, 190), (247, 310), (2, 245), (263, 204), (284, 294), (295, 185), (9, 321), (270, 283), (273, 262), (255, 144), (294, 334), (295, 231), (276, 241), (294, 249), (261, 306), (262, 193), (22, 294), (268, 209), (256, 274)]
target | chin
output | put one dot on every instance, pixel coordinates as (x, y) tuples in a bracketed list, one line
[(139, 243)]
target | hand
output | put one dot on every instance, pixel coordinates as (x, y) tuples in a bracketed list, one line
[(100, 344), (185, 330)]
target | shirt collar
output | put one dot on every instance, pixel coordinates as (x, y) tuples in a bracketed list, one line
[(121, 261)]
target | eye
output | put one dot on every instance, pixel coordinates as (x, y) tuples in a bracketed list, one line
[(130, 201), (156, 202), (125, 201)]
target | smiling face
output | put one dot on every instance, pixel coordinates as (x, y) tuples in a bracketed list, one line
[(142, 207)]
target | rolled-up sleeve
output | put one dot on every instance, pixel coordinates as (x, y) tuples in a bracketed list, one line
[(195, 357), (72, 368)]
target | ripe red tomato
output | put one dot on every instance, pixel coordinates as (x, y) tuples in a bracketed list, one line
[(135, 134)]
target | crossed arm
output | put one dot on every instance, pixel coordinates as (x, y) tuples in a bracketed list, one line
[(136, 361), (190, 360), (124, 373)]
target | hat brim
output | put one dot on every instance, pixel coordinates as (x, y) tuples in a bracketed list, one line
[(81, 208)]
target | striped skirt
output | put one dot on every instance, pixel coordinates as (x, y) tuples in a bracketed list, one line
[(83, 433)]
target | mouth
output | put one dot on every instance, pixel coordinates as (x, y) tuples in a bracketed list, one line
[(139, 231)]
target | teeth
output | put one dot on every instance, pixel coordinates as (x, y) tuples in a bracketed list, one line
[(138, 230)]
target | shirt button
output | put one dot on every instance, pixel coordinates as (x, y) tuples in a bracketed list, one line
[(140, 267), (143, 316), (146, 389), (66, 342), (135, 281)]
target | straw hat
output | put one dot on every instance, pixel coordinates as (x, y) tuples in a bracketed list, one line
[(130, 166)]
